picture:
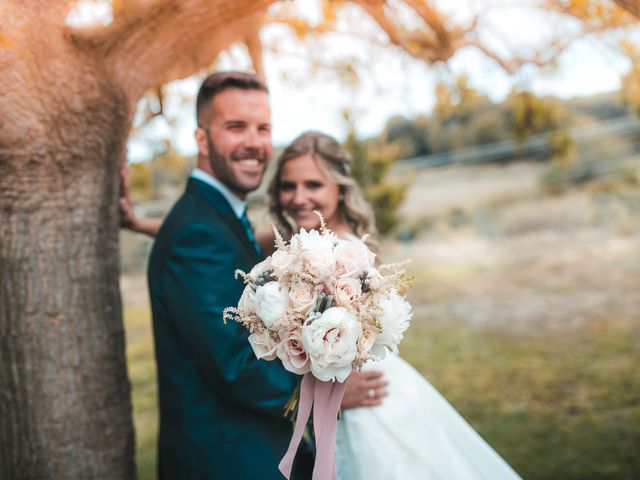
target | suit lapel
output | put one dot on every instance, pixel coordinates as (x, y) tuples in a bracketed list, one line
[(217, 200)]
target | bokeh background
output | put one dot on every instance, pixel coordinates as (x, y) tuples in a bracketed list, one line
[(500, 145)]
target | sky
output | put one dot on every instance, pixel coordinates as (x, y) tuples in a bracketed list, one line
[(393, 82)]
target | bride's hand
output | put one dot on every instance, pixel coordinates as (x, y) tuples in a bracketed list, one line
[(364, 389)]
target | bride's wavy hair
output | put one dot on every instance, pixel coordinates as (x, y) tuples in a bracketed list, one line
[(335, 162)]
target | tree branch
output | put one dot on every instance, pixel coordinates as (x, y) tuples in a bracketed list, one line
[(439, 42), (631, 6), (509, 66), (151, 43), (254, 44), (432, 18), (423, 44), (602, 15)]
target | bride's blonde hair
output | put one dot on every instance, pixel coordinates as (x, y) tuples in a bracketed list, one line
[(335, 162)]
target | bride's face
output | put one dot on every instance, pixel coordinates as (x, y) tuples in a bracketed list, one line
[(304, 187)]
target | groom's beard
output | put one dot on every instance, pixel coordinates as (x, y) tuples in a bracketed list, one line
[(225, 168)]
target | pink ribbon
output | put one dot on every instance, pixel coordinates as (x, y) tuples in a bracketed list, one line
[(325, 398)]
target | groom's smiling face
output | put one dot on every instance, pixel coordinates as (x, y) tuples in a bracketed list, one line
[(236, 146)]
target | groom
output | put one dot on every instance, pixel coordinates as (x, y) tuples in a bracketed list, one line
[(221, 409)]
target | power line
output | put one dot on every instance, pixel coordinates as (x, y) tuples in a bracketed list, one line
[(619, 126)]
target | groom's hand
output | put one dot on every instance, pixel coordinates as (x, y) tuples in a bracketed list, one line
[(364, 389)]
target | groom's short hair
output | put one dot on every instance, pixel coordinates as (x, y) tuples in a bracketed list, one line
[(218, 82)]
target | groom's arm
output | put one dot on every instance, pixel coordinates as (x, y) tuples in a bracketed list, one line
[(199, 284)]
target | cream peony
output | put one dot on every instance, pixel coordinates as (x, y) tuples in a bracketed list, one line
[(394, 320), (270, 302), (316, 250), (353, 258), (263, 345), (303, 297), (292, 353), (347, 290), (331, 343)]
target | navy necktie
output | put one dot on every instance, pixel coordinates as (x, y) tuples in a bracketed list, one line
[(249, 231)]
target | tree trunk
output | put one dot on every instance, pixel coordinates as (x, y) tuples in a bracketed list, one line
[(67, 98), (65, 409)]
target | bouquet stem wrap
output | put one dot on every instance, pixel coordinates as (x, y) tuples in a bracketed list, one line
[(325, 399)]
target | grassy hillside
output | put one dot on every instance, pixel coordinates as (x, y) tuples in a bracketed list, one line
[(527, 317)]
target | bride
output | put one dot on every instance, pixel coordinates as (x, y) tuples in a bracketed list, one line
[(405, 429), (414, 433)]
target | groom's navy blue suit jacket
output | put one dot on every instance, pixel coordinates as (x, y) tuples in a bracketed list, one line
[(221, 409)]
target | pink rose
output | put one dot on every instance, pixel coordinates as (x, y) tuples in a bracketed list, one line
[(282, 262), (347, 291), (353, 258), (367, 339), (303, 296), (292, 353)]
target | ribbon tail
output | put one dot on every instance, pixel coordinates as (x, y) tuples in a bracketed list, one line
[(304, 412), (327, 400)]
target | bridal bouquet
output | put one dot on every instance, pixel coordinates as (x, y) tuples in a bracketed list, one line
[(321, 306)]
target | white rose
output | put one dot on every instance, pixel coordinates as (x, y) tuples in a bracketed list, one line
[(303, 296), (259, 268), (394, 320), (291, 352), (316, 250), (245, 304), (331, 343), (347, 290), (374, 279), (282, 262), (263, 345), (270, 302), (353, 258)]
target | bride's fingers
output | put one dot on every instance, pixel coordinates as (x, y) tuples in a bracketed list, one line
[(371, 402), (377, 384), (374, 397), (381, 393), (372, 374)]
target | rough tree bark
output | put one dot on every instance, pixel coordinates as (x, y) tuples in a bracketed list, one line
[(632, 6), (67, 99)]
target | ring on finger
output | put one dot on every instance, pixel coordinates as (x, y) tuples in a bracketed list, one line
[(371, 393)]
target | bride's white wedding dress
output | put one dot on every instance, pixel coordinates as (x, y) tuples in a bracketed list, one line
[(415, 434)]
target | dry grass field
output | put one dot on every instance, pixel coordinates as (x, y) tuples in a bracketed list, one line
[(527, 317)]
